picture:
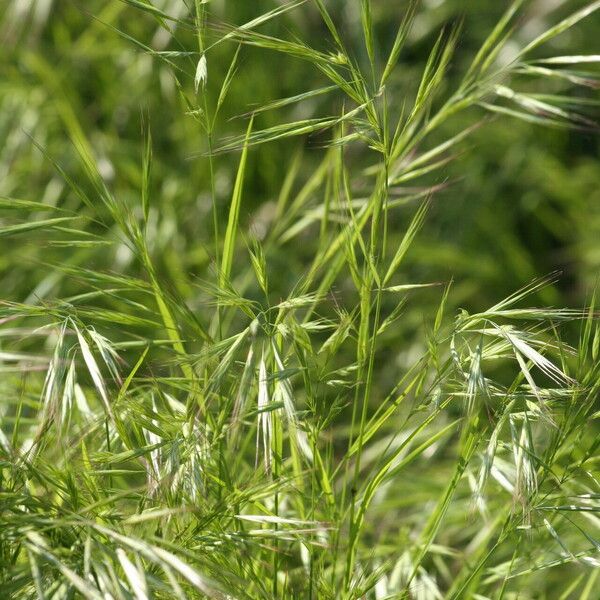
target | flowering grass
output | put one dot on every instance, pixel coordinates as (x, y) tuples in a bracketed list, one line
[(197, 404)]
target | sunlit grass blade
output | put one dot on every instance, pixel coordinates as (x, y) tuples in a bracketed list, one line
[(234, 212)]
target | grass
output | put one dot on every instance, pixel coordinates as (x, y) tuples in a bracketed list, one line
[(199, 406)]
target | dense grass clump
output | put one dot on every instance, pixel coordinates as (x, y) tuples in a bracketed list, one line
[(281, 315)]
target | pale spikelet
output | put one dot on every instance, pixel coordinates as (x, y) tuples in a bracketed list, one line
[(135, 576), (93, 369), (108, 353), (547, 367), (265, 425), (81, 402), (68, 394), (523, 451), (4, 441), (201, 73), (283, 390), (198, 451)]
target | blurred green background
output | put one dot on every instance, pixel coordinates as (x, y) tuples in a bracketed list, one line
[(521, 200)]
